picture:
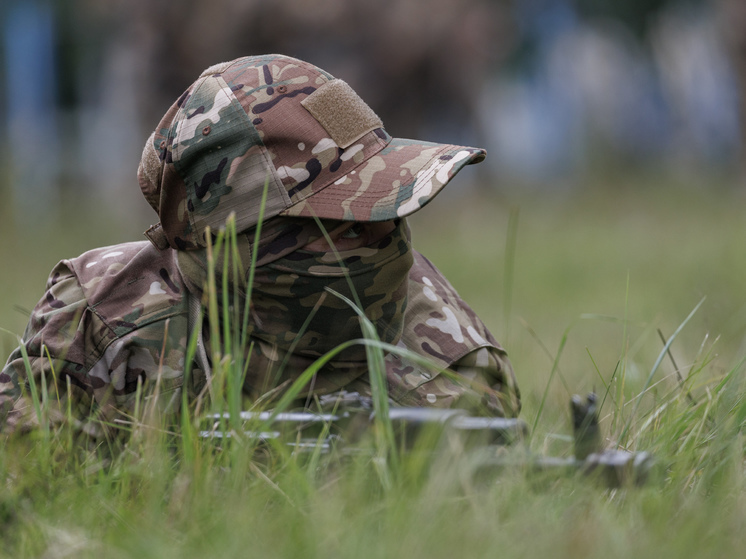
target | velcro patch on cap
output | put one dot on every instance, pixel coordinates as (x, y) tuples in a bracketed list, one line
[(151, 167), (342, 113)]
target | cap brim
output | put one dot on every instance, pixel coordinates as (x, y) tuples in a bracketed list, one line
[(395, 182)]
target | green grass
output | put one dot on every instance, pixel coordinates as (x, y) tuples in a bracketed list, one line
[(595, 275)]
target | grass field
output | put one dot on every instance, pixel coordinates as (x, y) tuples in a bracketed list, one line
[(578, 297)]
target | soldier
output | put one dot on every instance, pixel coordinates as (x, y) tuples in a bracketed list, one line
[(116, 321)]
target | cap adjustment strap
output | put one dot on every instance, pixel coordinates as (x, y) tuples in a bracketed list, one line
[(157, 236)]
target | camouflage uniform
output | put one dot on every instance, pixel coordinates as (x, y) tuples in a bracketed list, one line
[(118, 319)]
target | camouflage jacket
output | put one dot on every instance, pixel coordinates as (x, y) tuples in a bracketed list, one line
[(116, 321)]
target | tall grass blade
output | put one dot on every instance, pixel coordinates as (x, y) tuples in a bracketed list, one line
[(35, 398), (385, 441), (511, 242), (657, 363)]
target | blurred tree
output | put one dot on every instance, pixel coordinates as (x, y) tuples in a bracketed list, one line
[(30, 87), (733, 24)]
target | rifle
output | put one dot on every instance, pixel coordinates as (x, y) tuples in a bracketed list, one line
[(352, 416)]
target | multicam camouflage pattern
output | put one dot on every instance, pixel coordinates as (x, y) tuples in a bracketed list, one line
[(290, 290), (244, 125), (440, 326), (116, 318), (111, 319), (468, 367)]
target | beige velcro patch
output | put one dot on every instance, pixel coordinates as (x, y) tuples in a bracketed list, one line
[(342, 113), (151, 165)]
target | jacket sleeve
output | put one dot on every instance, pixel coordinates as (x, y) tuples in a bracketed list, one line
[(88, 370), (55, 369), (475, 371)]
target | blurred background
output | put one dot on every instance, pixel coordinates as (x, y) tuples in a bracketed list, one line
[(552, 88), (616, 126)]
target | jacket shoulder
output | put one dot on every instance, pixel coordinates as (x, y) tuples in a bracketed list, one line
[(439, 324), (109, 319), (130, 285)]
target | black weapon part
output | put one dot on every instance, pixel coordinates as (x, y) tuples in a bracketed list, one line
[(585, 425)]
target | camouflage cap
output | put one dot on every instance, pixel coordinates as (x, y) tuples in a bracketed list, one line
[(277, 121)]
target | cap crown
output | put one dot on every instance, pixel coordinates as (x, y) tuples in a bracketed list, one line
[(277, 122), (264, 120)]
